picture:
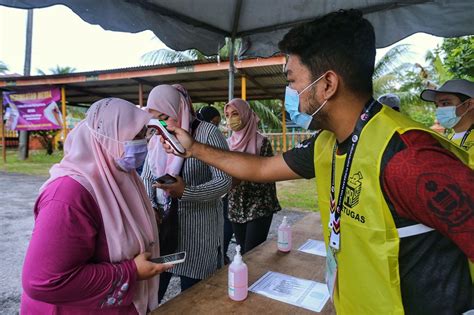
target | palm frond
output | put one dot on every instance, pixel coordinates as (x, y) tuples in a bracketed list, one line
[(166, 56), (392, 59), (3, 67), (267, 117)]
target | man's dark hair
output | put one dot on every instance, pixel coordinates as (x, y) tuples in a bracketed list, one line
[(341, 41), (462, 97)]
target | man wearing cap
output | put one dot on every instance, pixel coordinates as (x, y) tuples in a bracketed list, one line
[(455, 110), (391, 100)]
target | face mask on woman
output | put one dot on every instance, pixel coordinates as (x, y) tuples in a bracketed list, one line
[(134, 155), (135, 152), (235, 123)]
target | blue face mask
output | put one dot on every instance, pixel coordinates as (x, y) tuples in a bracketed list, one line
[(135, 152), (292, 104), (447, 115)]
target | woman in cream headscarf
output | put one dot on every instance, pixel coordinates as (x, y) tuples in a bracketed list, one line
[(196, 193), (251, 205), (94, 226)]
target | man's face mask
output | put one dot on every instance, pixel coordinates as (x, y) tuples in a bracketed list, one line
[(292, 103), (135, 152), (447, 117)]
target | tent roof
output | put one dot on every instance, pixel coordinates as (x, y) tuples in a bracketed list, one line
[(204, 24), (206, 81)]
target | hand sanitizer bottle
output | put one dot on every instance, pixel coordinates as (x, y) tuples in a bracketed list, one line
[(238, 277), (284, 236)]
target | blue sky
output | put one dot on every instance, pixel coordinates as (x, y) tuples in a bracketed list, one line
[(62, 38)]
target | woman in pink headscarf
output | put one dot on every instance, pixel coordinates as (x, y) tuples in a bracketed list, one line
[(196, 194), (95, 229), (251, 205)]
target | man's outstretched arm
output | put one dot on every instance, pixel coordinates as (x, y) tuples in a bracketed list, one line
[(243, 166)]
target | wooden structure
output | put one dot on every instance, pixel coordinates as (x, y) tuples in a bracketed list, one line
[(210, 296)]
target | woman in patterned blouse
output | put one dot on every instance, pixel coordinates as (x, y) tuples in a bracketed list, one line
[(251, 205)]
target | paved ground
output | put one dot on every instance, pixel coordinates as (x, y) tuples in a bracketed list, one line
[(16, 223)]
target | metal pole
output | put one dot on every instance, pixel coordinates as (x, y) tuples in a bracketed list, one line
[(231, 69), (4, 149), (64, 112), (24, 135), (244, 88), (140, 95)]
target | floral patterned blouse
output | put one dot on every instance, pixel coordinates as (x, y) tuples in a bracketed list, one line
[(249, 201)]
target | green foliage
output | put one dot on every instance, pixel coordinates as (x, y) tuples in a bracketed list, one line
[(169, 56), (57, 70), (3, 68), (46, 138), (458, 56), (388, 69)]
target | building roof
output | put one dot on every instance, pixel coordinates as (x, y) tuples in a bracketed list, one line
[(207, 81)]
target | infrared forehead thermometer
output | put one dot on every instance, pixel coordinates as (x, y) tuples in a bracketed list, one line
[(160, 126)]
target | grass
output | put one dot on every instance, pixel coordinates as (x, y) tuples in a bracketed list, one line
[(298, 194), (38, 162)]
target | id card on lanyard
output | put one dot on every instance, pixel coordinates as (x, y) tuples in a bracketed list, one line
[(335, 209)]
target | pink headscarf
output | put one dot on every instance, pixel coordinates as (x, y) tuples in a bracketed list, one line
[(168, 100), (129, 220), (248, 139)]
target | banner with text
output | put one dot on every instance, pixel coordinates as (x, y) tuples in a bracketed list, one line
[(35, 110)]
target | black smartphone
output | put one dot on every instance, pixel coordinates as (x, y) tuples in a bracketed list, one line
[(166, 179), (175, 258)]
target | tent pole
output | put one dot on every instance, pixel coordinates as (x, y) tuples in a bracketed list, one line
[(231, 69), (244, 88), (4, 150), (63, 109), (140, 95)]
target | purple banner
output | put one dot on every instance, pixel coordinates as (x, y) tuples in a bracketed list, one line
[(35, 110)]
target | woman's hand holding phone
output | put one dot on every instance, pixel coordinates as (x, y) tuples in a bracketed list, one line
[(175, 190), (147, 269)]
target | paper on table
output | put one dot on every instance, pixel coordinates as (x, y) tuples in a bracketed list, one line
[(314, 247), (304, 293)]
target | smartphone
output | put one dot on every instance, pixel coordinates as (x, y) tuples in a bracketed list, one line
[(160, 126), (166, 179), (175, 258)]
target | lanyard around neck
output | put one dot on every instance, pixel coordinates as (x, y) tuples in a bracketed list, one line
[(336, 209), (466, 134)]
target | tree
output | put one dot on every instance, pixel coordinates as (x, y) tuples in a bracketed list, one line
[(46, 138), (3, 68), (167, 56), (458, 56), (387, 70), (57, 70)]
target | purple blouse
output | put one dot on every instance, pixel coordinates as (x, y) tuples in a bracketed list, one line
[(67, 269)]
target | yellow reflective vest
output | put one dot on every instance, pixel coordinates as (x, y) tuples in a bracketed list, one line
[(467, 145), (368, 280)]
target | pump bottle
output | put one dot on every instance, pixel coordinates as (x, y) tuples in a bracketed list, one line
[(238, 277), (284, 236)]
